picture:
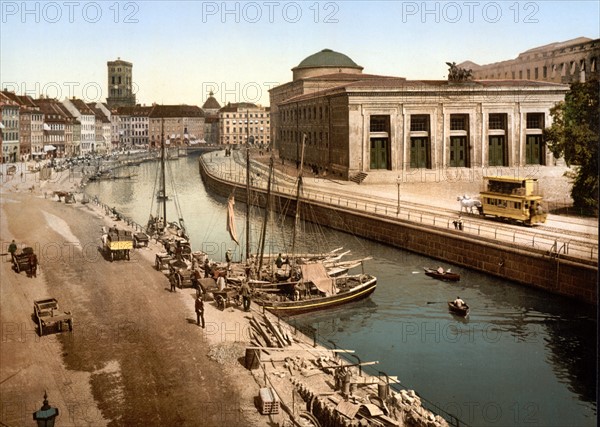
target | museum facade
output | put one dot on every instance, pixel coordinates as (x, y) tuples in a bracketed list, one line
[(353, 125)]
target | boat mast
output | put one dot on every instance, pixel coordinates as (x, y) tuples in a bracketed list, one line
[(162, 170), (247, 186), (298, 190), (267, 209)]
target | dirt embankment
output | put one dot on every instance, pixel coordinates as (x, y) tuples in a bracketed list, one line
[(136, 356)]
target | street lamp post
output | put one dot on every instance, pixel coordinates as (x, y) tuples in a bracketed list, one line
[(398, 181), (46, 415)]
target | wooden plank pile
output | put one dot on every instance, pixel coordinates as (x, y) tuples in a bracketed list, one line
[(268, 334)]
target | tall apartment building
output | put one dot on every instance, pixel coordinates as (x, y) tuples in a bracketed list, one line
[(31, 120), (120, 84), (9, 131), (133, 126), (87, 118), (242, 122), (57, 120), (571, 61)]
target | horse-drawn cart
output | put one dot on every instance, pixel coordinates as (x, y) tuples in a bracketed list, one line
[(47, 316), (21, 261), (117, 244)]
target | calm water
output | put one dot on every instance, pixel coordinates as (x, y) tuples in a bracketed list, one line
[(522, 358)]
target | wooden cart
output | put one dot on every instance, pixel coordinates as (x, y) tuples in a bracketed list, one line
[(21, 261), (140, 240), (227, 297), (117, 244), (47, 316)]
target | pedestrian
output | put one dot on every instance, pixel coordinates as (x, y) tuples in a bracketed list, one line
[(228, 258), (245, 292), (12, 249), (206, 268), (221, 282), (173, 280), (195, 277), (199, 305), (33, 262)]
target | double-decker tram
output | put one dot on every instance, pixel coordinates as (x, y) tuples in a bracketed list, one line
[(512, 199)]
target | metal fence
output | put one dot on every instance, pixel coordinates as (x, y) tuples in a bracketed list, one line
[(546, 243)]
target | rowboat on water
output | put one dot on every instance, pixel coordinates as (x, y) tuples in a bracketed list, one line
[(442, 274), (460, 311)]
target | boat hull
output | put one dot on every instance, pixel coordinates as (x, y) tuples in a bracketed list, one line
[(445, 276), (289, 308), (459, 311)]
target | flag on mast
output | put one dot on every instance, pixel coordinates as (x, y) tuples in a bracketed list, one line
[(231, 219)]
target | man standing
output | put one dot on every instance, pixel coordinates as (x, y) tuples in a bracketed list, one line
[(33, 265), (173, 279), (12, 249), (199, 310), (245, 292)]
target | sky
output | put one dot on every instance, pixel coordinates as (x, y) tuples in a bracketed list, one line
[(181, 50)]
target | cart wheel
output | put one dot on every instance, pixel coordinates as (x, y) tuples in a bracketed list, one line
[(40, 326), (71, 325), (112, 256), (127, 254), (17, 268)]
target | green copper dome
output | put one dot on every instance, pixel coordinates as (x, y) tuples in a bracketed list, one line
[(327, 58)]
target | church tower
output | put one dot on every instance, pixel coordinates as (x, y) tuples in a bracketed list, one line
[(120, 84)]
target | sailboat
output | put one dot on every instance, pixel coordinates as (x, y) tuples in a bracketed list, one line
[(172, 234), (309, 284)]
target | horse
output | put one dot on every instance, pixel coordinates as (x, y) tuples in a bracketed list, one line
[(468, 204)]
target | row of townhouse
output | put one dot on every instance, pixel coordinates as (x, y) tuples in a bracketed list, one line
[(38, 128)]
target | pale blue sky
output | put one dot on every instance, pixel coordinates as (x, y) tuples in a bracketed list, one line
[(182, 49)]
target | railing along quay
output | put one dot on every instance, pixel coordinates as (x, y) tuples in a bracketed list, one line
[(548, 243)]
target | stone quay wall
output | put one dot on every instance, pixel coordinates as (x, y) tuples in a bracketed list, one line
[(530, 267)]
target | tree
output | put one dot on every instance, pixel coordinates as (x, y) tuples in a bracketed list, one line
[(575, 135)]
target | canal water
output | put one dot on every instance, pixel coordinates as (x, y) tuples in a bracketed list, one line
[(522, 357)]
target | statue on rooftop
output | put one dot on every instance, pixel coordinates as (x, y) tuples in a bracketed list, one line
[(457, 74)]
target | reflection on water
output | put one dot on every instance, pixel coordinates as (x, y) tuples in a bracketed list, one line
[(522, 357)]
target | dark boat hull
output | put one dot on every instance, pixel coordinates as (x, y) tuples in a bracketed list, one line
[(450, 277), (460, 311), (289, 308)]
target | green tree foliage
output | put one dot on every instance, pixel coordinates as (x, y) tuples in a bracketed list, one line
[(575, 135)]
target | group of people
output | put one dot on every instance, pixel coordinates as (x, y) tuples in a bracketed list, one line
[(175, 280)]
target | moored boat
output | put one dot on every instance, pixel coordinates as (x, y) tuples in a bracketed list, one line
[(313, 297), (442, 274), (461, 311)]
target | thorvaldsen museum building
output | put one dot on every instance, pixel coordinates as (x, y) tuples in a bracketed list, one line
[(361, 126)]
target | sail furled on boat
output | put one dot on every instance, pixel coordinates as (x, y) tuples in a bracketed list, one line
[(317, 274), (231, 219)]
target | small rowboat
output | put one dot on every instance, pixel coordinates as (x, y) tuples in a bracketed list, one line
[(442, 275), (460, 311)]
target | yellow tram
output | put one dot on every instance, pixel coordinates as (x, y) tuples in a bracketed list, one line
[(510, 198)]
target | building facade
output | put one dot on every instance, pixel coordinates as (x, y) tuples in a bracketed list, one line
[(175, 124), (120, 84), (9, 130), (242, 122), (87, 118), (386, 126), (211, 109), (565, 62)]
